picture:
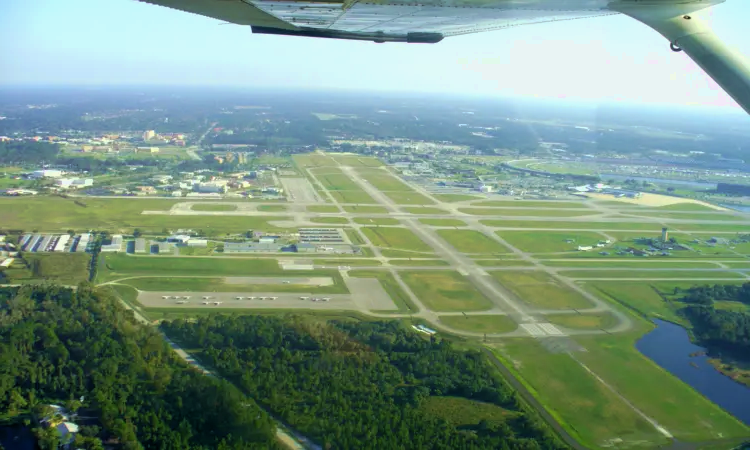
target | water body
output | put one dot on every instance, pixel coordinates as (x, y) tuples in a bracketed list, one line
[(669, 346), (17, 437), (743, 208), (693, 184)]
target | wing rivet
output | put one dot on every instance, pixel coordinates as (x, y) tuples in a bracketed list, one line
[(674, 47), (686, 17)]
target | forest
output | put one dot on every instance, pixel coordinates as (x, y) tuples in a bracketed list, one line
[(720, 328), (364, 385), (81, 348), (28, 152)]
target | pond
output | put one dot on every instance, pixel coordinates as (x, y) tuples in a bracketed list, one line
[(669, 346), (17, 437)]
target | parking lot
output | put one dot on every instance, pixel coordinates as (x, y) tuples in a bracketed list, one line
[(229, 300)]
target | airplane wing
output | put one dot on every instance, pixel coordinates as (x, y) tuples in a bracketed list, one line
[(429, 21)]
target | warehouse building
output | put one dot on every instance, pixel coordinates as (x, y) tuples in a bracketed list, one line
[(321, 235), (115, 244)]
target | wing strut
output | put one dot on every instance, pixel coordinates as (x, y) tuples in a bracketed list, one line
[(728, 68)]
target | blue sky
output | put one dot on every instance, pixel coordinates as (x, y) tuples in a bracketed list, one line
[(126, 42)]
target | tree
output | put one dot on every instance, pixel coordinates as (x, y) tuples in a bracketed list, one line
[(137, 232)]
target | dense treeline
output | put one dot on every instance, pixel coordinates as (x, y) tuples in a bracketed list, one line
[(725, 329), (360, 385), (20, 152), (57, 344)]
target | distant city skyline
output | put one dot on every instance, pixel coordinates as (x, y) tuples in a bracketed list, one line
[(603, 60)]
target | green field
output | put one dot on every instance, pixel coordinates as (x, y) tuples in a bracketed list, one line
[(541, 223), (397, 238), (115, 266), (480, 324), (583, 321), (323, 209), (325, 170), (365, 209), (463, 412), (213, 207), (642, 298), (738, 265), (376, 221), (409, 198), (649, 274), (352, 197), (530, 204), (525, 212), (443, 222), (417, 262), (688, 216), (391, 286), (357, 160), (540, 290), (470, 241), (630, 263), (502, 262), (52, 214), (272, 208), (550, 241), (62, 268), (391, 253), (337, 182), (685, 207), (354, 236), (450, 198), (738, 228), (384, 182), (329, 220), (425, 210), (445, 291), (313, 160)]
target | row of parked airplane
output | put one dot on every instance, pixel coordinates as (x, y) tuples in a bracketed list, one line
[(253, 298), (316, 299)]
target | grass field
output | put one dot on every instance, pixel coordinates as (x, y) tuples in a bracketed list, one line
[(116, 215), (337, 182), (470, 241), (443, 222), (445, 291), (330, 220), (398, 238), (409, 198), (738, 265), (591, 413), (217, 284), (583, 321), (357, 160), (417, 262), (323, 209), (530, 204), (480, 324), (119, 266), (365, 209), (684, 207), (204, 206), (502, 262), (463, 412), (353, 197), (525, 212), (384, 182), (540, 223), (689, 216), (451, 198), (354, 236), (391, 286), (62, 268), (376, 221), (313, 160), (272, 208), (738, 228), (391, 253), (649, 274), (325, 170), (539, 290), (631, 263), (424, 210), (642, 298), (550, 241)]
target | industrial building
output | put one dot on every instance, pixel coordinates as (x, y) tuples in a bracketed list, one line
[(115, 244), (47, 173), (74, 183), (213, 187), (140, 245), (251, 247), (321, 235), (82, 242)]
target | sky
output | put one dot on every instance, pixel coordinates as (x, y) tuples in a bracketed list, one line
[(601, 60)]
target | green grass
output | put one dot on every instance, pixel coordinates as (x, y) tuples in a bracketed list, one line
[(688, 216), (590, 412), (463, 412), (363, 209), (502, 262), (425, 210), (357, 160), (738, 265), (206, 284), (352, 197), (52, 214), (409, 198), (630, 263), (530, 204), (550, 241), (116, 266), (337, 182), (443, 222), (445, 291), (471, 241), (583, 321), (398, 238), (272, 208), (689, 416), (417, 262), (329, 220), (385, 182), (648, 274), (391, 253), (213, 207), (739, 228), (323, 209), (354, 236), (391, 286), (540, 223), (641, 297), (62, 268), (313, 160), (540, 290), (685, 207), (376, 221), (450, 198), (524, 212), (480, 324)]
